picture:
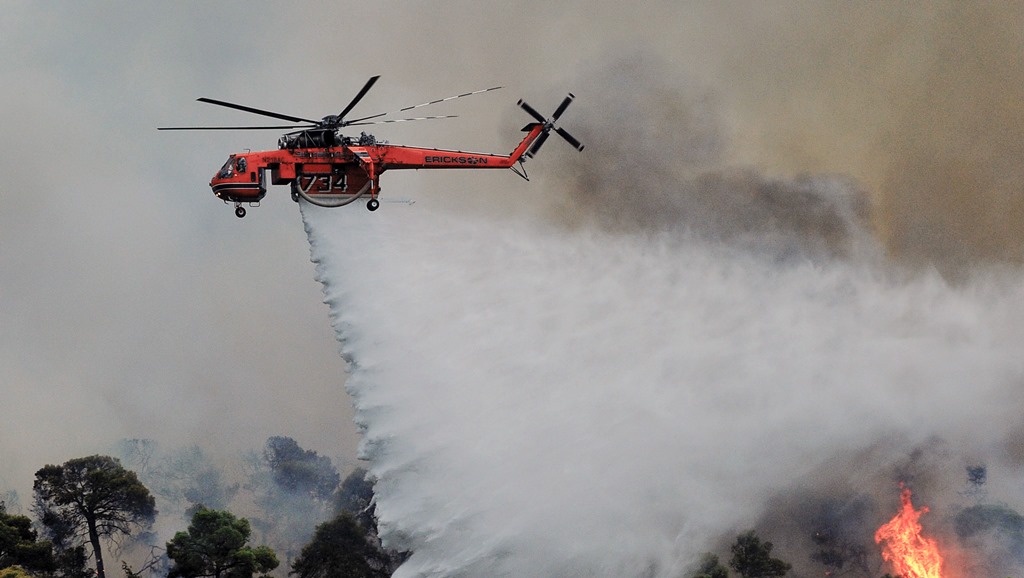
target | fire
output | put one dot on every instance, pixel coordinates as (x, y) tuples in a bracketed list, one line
[(911, 554)]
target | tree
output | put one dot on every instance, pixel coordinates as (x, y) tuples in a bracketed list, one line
[(87, 498), (710, 567), (208, 488), (293, 486), (14, 572), (137, 453), (72, 559), (20, 547), (838, 529), (299, 471), (996, 535), (355, 496), (752, 558), (183, 479), (341, 548), (216, 545)]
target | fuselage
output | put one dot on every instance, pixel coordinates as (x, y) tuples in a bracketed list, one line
[(345, 169)]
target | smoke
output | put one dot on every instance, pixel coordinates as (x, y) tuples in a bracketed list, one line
[(676, 343), (658, 161), (668, 349), (920, 101), (547, 401), (997, 532), (716, 249)]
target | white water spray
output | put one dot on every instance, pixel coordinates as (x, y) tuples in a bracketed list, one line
[(539, 402)]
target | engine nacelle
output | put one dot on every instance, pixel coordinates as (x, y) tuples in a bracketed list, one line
[(307, 139)]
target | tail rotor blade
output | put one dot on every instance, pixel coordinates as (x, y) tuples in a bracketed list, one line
[(548, 124), (537, 144), (561, 108), (533, 112), (569, 138)]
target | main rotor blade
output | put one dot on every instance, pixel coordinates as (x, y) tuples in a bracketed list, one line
[(255, 110), (288, 127), (354, 123), (447, 98), (533, 112), (568, 137), (561, 108), (362, 93)]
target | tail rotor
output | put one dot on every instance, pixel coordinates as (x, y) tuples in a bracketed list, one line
[(549, 125)]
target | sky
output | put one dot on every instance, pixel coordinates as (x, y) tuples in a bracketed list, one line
[(134, 304)]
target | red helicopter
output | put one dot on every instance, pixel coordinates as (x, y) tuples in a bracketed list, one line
[(329, 169)]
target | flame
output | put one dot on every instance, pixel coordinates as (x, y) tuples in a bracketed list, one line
[(911, 554)]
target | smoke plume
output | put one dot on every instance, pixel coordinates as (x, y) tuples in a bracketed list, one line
[(613, 400), (920, 101), (669, 348)]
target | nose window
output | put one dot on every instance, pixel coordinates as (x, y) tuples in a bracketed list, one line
[(227, 170)]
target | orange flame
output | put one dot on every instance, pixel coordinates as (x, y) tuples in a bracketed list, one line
[(911, 554)]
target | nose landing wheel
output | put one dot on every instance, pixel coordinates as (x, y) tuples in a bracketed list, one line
[(373, 204), (239, 211)]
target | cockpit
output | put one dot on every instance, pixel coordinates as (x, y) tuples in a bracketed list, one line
[(234, 165), (228, 170)]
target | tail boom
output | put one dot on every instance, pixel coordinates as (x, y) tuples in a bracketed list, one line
[(392, 157)]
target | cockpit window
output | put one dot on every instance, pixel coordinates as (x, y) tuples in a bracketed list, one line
[(240, 164), (227, 170)]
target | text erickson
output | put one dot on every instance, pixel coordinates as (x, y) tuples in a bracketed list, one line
[(462, 160)]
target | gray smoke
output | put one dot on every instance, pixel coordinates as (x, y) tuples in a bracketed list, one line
[(543, 402), (722, 231), (666, 350), (657, 161)]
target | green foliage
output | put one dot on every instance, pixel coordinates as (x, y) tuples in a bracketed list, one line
[(752, 558), (19, 546), (71, 563), (293, 487), (355, 493), (300, 471), (710, 567), (341, 548), (355, 497), (209, 489), (216, 545), (90, 497), (14, 572)]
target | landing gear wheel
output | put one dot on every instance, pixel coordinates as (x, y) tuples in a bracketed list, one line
[(372, 204), (239, 212)]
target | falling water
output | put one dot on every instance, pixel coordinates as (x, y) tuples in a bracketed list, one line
[(540, 400)]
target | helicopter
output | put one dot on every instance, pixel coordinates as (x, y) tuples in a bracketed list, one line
[(330, 169)]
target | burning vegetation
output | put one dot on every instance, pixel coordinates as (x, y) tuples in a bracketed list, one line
[(839, 529), (911, 554)]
